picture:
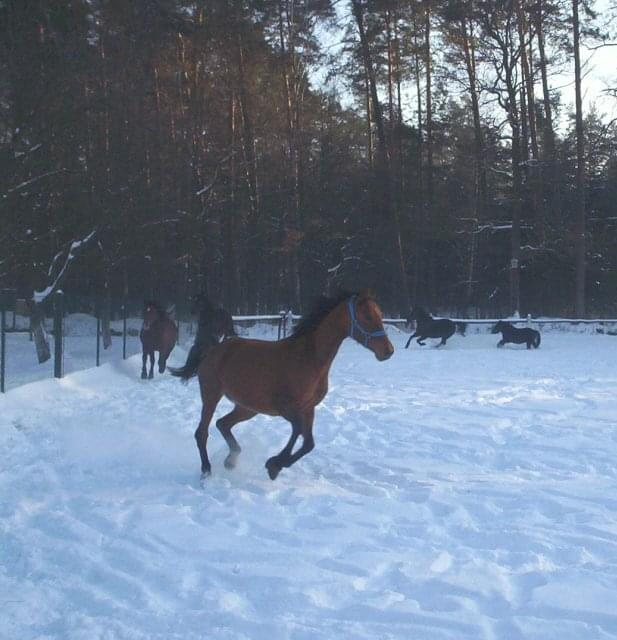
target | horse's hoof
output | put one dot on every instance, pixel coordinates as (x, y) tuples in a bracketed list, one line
[(230, 461), (161, 369), (205, 474), (144, 375), (273, 468), (150, 376)]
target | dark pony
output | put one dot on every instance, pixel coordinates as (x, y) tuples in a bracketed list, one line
[(213, 321), (428, 327), (286, 378), (510, 333), (158, 333), (214, 325)]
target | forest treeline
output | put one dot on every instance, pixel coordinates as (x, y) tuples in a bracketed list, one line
[(203, 144)]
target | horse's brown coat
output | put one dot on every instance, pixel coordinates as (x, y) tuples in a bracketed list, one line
[(159, 333), (286, 378)]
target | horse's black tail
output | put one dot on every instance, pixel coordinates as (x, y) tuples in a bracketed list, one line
[(190, 367), (536, 340), (461, 327), (198, 351)]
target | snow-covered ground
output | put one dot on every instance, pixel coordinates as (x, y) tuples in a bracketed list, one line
[(461, 493)]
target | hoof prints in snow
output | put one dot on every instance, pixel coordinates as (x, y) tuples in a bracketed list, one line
[(455, 494)]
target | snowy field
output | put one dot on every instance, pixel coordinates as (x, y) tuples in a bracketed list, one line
[(462, 493)]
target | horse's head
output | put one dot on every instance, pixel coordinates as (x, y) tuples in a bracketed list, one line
[(499, 327), (200, 302), (366, 326), (417, 313), (152, 313)]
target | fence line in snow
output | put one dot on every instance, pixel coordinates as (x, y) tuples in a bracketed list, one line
[(283, 320)]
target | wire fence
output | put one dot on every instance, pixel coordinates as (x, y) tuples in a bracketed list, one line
[(109, 331), (77, 334)]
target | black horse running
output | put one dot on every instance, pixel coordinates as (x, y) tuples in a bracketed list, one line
[(509, 333), (428, 327), (214, 325)]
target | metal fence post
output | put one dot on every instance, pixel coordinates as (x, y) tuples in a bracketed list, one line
[(281, 321), (124, 330), (2, 348), (58, 329), (98, 339), (7, 299)]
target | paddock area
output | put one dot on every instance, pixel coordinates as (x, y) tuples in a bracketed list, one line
[(466, 492)]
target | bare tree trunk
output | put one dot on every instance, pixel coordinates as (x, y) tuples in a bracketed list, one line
[(230, 276), (383, 175), (292, 89), (247, 133), (429, 106), (550, 156), (580, 248), (429, 145), (369, 121), (517, 181), (515, 236), (480, 195), (421, 208)]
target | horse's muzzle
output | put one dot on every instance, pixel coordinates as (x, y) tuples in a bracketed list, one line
[(386, 354)]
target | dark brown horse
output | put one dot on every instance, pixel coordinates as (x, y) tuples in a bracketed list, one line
[(214, 325), (158, 333), (213, 321), (285, 378)]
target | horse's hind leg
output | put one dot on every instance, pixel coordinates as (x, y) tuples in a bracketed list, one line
[(225, 425), (210, 398), (285, 458), (410, 339), (163, 361), (443, 341), (151, 374)]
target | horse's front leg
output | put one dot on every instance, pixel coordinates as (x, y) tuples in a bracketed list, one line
[(302, 425), (501, 343), (419, 340), (162, 361), (411, 337), (144, 357), (151, 374)]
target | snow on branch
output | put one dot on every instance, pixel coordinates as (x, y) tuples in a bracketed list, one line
[(77, 246), (21, 186)]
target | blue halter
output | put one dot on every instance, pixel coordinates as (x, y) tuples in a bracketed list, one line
[(356, 326)]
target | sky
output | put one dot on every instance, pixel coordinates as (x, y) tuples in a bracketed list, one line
[(599, 68)]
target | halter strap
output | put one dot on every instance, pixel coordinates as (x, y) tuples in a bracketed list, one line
[(356, 326)]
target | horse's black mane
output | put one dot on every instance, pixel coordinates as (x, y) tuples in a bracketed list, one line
[(201, 302), (320, 309), (157, 306)]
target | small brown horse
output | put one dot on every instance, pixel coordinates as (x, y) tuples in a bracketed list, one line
[(285, 378), (158, 333)]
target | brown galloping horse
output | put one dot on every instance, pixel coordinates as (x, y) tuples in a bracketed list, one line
[(285, 378), (158, 333)]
